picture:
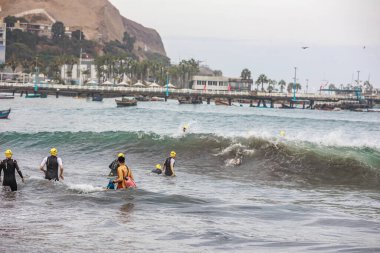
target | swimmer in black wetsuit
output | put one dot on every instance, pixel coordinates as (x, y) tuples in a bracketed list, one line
[(158, 169), (9, 166), (169, 165)]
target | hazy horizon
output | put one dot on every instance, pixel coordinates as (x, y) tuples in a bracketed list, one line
[(267, 36)]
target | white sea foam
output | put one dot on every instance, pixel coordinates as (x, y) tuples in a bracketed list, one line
[(84, 188)]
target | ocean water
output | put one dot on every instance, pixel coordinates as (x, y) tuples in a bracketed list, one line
[(240, 185)]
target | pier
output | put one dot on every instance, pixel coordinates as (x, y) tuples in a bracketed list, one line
[(264, 99)]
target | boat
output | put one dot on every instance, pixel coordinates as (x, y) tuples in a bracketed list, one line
[(5, 113), (124, 102), (34, 95), (157, 99), (5, 96), (284, 106), (142, 98), (221, 102), (97, 98), (189, 101)]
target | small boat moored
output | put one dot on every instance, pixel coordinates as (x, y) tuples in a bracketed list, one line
[(221, 102), (126, 101), (157, 99), (98, 98), (188, 100), (4, 113), (33, 95), (6, 96)]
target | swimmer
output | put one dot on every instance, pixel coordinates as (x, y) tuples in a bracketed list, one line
[(158, 169)]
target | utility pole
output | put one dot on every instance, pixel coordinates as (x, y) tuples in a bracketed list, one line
[(358, 81), (294, 84), (307, 84), (80, 59)]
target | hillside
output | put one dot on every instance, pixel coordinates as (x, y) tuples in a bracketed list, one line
[(98, 19)]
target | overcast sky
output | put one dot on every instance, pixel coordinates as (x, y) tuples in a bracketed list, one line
[(266, 36)]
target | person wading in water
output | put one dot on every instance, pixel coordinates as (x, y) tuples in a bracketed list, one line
[(52, 163), (169, 165), (9, 166)]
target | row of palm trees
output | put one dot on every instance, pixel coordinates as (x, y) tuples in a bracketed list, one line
[(118, 67), (271, 84), (110, 67)]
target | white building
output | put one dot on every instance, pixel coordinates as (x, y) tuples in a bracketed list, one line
[(79, 74), (3, 39), (220, 83)]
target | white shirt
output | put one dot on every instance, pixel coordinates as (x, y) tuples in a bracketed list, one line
[(59, 160)]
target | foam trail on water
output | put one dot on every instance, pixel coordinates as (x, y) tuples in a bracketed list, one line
[(84, 188)]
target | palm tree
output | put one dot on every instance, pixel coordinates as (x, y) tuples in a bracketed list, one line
[(282, 84), (217, 73), (367, 87), (86, 73), (291, 87), (245, 74), (261, 80), (271, 85), (13, 63)]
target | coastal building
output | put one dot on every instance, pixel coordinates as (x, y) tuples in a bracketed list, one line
[(220, 83), (3, 39), (79, 74), (37, 28)]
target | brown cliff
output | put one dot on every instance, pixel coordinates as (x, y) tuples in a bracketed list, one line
[(98, 19)]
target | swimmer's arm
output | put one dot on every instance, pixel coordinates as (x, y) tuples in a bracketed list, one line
[(119, 176), (42, 165), (1, 168), (60, 168), (19, 171), (172, 168)]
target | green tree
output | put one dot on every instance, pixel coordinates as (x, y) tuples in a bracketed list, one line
[(245, 74), (78, 35), (129, 41), (271, 85), (218, 73), (262, 79), (12, 20), (282, 84), (58, 30), (368, 88), (291, 87)]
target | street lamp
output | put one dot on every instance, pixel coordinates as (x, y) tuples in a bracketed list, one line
[(294, 84)]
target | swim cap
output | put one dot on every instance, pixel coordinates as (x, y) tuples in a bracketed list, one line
[(8, 153), (53, 151)]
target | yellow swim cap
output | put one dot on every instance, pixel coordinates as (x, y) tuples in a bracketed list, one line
[(173, 153), (158, 166), (121, 155), (8, 153), (282, 133), (53, 152)]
